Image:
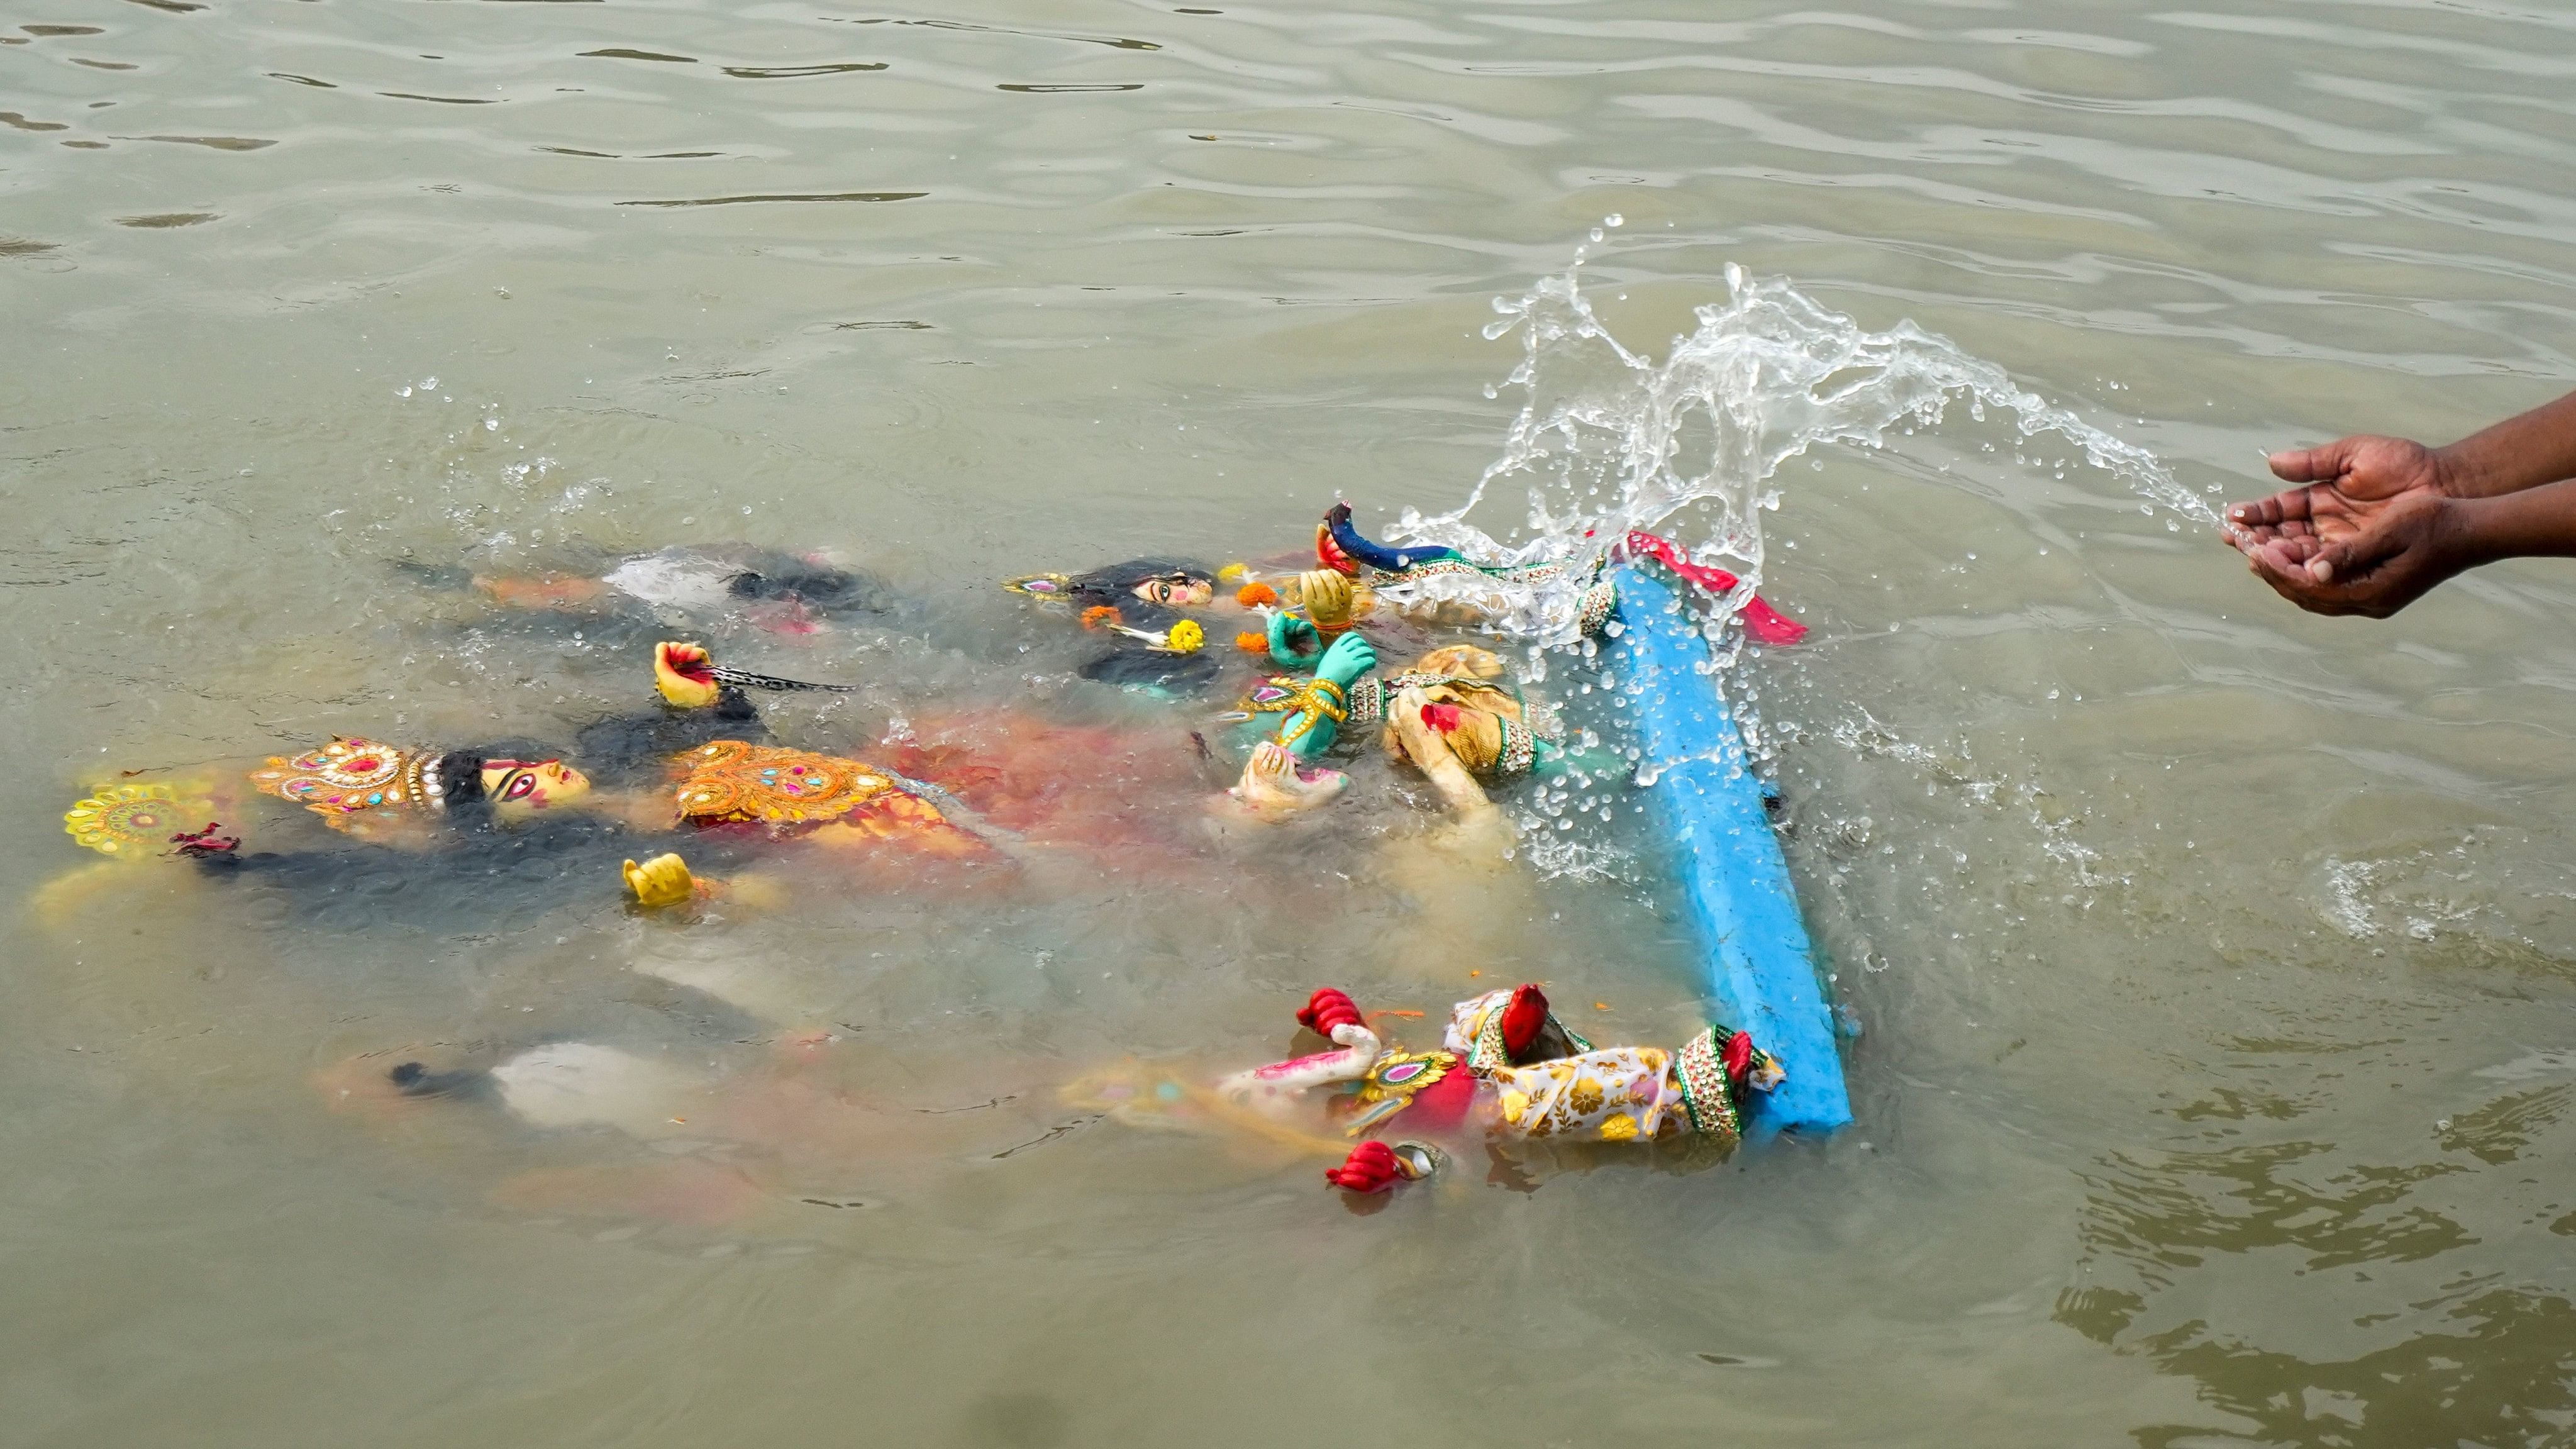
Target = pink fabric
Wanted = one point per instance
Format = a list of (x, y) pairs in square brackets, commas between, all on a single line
[(790, 617), (1442, 1106), (1763, 622)]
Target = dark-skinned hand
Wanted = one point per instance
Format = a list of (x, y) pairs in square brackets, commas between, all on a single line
[(2369, 530)]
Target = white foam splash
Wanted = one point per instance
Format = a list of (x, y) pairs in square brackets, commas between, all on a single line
[(1608, 440), (2347, 904)]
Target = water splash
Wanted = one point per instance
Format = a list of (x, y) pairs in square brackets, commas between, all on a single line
[(1608, 440)]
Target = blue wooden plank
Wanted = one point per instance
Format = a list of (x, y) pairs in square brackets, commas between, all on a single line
[(1735, 883)]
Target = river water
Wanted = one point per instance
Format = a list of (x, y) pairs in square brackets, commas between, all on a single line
[(2210, 963)]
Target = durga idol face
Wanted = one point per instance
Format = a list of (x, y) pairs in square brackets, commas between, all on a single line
[(1176, 590), (532, 784)]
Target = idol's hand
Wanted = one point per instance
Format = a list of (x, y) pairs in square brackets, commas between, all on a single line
[(1327, 598), (1371, 1167), (2369, 533), (685, 675), (1350, 657), (660, 882), (1291, 640), (1328, 1008)]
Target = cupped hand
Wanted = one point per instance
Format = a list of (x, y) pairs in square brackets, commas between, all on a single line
[(2367, 532)]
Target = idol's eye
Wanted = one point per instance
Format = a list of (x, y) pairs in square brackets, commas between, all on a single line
[(519, 786)]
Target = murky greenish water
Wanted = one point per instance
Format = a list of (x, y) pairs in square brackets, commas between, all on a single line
[(2213, 961)]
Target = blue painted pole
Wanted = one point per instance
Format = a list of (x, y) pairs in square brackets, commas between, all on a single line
[(1735, 883)]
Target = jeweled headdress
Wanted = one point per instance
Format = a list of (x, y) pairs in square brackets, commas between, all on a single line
[(350, 778)]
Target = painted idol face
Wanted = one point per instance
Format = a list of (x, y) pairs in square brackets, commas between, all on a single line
[(532, 784), (1176, 590)]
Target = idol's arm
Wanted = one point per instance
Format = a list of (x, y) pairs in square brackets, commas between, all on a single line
[(1312, 730), (1423, 745), (1331, 1014)]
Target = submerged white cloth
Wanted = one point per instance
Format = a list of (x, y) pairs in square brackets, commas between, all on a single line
[(581, 1084), (676, 579)]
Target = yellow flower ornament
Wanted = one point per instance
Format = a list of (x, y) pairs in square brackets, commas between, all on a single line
[(125, 819), (1185, 637)]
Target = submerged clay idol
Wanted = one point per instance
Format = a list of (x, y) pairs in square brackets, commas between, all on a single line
[(1507, 1070)]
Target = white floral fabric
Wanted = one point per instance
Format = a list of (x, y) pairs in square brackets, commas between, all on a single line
[(1609, 1094)]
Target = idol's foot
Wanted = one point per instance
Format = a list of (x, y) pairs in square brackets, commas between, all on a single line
[(1275, 786)]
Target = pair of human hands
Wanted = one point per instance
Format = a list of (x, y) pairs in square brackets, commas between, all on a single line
[(2373, 525)]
